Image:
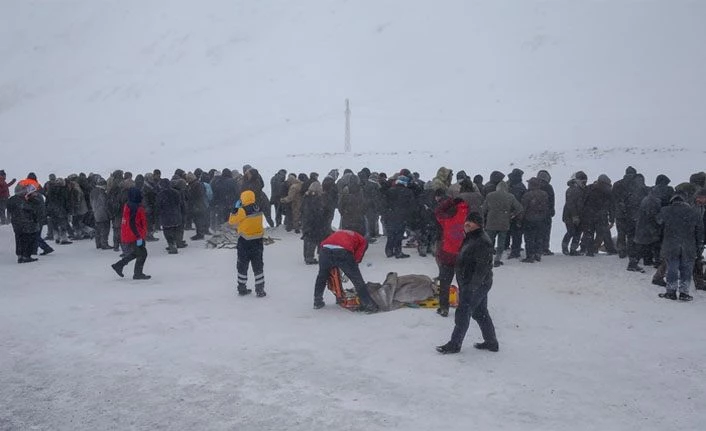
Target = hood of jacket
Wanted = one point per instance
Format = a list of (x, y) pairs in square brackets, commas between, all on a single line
[(247, 198), (496, 177)]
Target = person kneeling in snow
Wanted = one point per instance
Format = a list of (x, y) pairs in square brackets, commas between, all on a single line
[(343, 249), (133, 231), (247, 218), (474, 272)]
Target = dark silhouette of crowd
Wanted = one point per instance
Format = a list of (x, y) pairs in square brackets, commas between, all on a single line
[(657, 226)]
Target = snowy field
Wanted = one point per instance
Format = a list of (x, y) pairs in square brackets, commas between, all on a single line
[(476, 85), (585, 345)]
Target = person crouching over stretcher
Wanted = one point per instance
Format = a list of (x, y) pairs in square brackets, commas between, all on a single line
[(343, 249)]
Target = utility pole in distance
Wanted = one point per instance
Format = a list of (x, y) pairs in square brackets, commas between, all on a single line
[(347, 139)]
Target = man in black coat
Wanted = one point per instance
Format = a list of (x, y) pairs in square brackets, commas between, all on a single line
[(517, 189), (683, 241), (278, 187), (400, 204), (25, 223), (627, 196), (699, 279), (225, 193), (544, 184), (197, 205), (598, 218), (573, 213), (171, 209), (474, 272)]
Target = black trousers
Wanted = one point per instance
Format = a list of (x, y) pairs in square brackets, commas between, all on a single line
[(116, 231), (446, 276), (534, 235), (171, 235), (3, 210), (310, 247), (138, 254), (626, 236), (572, 235), (201, 222), (546, 239), (25, 244), (250, 253), (40, 243), (395, 234), (278, 210), (514, 237), (344, 261), (102, 232), (596, 232), (473, 303)]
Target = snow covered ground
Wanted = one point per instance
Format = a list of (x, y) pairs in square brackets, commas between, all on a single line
[(479, 86), (585, 345)]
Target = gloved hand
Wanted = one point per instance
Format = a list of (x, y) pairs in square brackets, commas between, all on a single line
[(576, 220), (238, 204), (140, 243)]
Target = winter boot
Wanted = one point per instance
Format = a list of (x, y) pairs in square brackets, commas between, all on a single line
[(634, 267), (548, 253), (659, 282), (487, 345), (528, 259), (401, 255), (514, 255), (118, 269), (622, 254), (197, 237), (498, 263), (685, 297), (669, 295), (141, 276), (448, 348), (260, 292), (243, 290), (46, 251), (442, 311), (319, 303)]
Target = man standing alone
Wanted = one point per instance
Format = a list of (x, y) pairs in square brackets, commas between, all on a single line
[(474, 272)]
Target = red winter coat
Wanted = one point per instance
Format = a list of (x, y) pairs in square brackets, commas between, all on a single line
[(452, 229), (127, 235), (5, 188), (349, 240)]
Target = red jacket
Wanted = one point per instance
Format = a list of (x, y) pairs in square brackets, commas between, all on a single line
[(127, 235), (349, 240), (5, 188), (451, 215)]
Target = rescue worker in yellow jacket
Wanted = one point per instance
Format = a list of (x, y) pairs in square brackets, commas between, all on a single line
[(247, 218)]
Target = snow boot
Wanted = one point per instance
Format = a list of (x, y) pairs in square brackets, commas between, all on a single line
[(622, 254), (498, 263), (242, 290), (448, 348), (46, 251), (669, 295), (634, 267), (487, 345), (118, 269), (528, 259), (401, 255), (513, 255), (23, 259), (548, 253), (369, 308), (319, 303), (443, 312), (659, 282), (141, 277), (685, 297), (260, 292), (196, 237)]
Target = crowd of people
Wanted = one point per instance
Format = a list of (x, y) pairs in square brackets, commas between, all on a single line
[(659, 225)]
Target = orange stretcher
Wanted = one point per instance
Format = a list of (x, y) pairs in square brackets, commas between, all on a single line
[(346, 298)]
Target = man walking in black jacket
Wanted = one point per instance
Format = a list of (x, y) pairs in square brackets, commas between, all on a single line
[(474, 272)]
